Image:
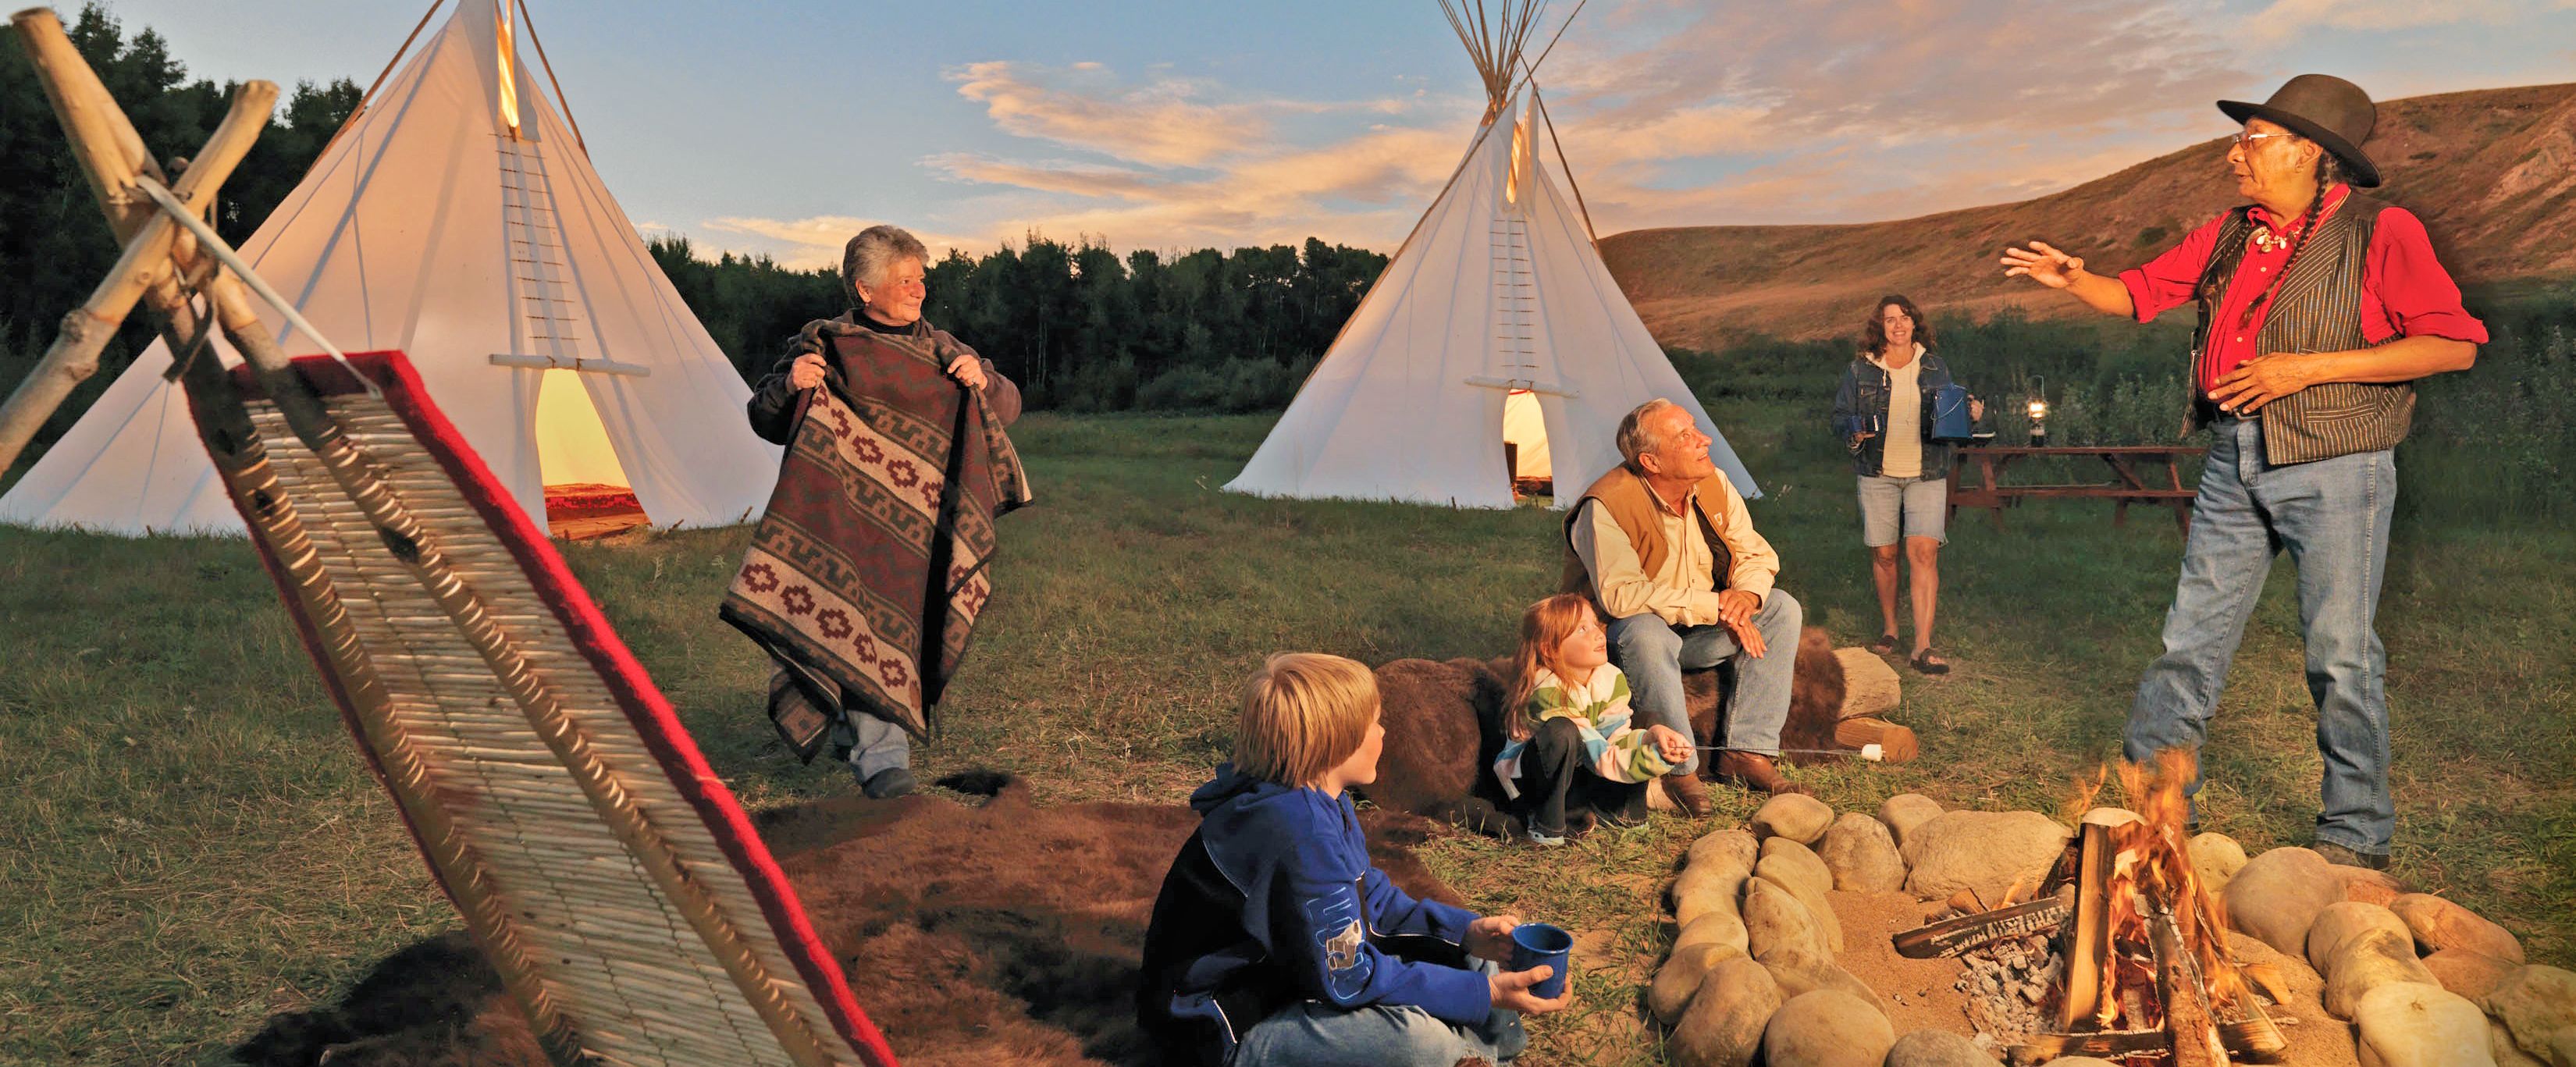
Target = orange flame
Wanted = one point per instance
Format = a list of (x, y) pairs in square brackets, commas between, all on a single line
[(2151, 862)]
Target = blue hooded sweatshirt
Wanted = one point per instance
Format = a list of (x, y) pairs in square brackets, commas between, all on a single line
[(1274, 901)]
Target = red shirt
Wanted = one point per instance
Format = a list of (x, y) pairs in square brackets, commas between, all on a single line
[(2404, 290)]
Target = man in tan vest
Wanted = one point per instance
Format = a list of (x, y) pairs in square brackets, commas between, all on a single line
[(1664, 546)]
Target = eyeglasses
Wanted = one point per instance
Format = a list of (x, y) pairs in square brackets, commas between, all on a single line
[(2247, 138)]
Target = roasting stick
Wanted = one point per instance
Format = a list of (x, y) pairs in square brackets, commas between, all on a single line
[(1871, 753)]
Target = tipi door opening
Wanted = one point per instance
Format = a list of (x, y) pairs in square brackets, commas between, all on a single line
[(1525, 445), (587, 491)]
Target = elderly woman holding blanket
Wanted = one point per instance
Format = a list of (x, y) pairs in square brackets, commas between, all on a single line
[(867, 572)]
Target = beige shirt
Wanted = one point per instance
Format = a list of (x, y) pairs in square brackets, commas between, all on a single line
[(1903, 456), (1684, 593)]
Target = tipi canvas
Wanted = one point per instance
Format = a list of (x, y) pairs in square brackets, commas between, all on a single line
[(458, 220), (1497, 304)]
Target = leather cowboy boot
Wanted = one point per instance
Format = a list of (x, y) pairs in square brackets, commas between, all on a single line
[(1755, 772), (1689, 795)]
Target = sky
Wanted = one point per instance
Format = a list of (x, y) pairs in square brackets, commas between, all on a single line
[(780, 127)]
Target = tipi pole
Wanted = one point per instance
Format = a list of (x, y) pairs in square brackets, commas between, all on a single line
[(1568, 168), (542, 61), (369, 96), (1532, 67), (112, 156)]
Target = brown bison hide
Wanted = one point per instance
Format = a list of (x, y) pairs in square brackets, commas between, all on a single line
[(1444, 727), (1005, 933)]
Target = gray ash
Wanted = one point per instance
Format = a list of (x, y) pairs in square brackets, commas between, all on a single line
[(2010, 984)]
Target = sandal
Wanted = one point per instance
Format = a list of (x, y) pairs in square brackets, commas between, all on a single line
[(1929, 662), (1885, 645)]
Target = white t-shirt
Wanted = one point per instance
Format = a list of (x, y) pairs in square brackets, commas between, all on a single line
[(1903, 457)]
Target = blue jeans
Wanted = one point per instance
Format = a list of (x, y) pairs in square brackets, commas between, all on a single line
[(2332, 515), (1312, 1034), (1654, 654), (875, 744)]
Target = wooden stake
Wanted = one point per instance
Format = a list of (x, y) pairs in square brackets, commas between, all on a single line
[(2088, 943)]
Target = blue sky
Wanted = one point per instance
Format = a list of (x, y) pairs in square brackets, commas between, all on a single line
[(781, 126)]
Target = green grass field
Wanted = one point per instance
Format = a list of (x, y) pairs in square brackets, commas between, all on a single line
[(188, 842)]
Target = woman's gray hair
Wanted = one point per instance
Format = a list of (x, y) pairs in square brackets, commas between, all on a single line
[(868, 256), (1634, 440)]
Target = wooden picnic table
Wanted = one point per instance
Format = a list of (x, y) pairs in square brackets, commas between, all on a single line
[(2127, 486)]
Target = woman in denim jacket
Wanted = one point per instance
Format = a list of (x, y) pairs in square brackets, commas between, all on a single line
[(1883, 415)]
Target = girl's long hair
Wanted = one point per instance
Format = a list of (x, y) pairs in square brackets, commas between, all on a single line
[(1544, 628)]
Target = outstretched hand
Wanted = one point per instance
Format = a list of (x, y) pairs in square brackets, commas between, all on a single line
[(1511, 990), (2042, 264)]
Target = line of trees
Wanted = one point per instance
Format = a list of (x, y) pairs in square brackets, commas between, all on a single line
[(1077, 325), (54, 243)]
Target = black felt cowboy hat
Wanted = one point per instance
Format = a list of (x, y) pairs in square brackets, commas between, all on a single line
[(2323, 108)]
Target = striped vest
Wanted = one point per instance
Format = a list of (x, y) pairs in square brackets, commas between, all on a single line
[(2316, 309)]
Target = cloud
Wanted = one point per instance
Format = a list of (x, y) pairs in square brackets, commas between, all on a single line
[(2286, 18), (1681, 113), (814, 241), (1672, 112), (1082, 106), (1190, 164)]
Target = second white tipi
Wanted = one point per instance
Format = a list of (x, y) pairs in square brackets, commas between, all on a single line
[(458, 219), (1496, 322)]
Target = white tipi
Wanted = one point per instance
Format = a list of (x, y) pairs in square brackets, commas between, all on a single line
[(1496, 322), (458, 219)]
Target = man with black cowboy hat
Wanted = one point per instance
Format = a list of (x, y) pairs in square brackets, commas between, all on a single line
[(2319, 308)]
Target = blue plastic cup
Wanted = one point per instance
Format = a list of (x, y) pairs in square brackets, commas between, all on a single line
[(1539, 943)]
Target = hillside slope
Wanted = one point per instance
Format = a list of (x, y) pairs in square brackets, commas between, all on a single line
[(2492, 172)]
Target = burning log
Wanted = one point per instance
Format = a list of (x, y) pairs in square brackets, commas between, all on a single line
[(2088, 942), (2141, 970), (1952, 936)]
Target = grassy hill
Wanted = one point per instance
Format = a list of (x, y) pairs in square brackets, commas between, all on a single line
[(2492, 172), (193, 845)]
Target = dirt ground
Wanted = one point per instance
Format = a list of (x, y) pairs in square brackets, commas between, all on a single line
[(1022, 948)]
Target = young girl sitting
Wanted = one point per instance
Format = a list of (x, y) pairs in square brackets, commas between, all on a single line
[(1567, 720)]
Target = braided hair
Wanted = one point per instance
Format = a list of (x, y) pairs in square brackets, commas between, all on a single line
[(2329, 171)]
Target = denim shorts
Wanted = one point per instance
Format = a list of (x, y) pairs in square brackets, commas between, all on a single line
[(1923, 505)]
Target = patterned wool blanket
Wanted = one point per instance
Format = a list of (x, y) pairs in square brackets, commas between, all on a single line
[(867, 572)]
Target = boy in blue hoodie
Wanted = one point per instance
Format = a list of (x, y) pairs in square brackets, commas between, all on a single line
[(1276, 942)]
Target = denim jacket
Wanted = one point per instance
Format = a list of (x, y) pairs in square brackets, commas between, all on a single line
[(1864, 396)]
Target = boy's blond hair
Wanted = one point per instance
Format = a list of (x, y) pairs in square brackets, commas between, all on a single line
[(1303, 714)]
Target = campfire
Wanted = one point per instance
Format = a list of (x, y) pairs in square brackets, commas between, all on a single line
[(2120, 952)]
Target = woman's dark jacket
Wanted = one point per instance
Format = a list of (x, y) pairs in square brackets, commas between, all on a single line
[(1864, 396), (772, 406)]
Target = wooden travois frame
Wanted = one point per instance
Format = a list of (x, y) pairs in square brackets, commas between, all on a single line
[(604, 870)]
